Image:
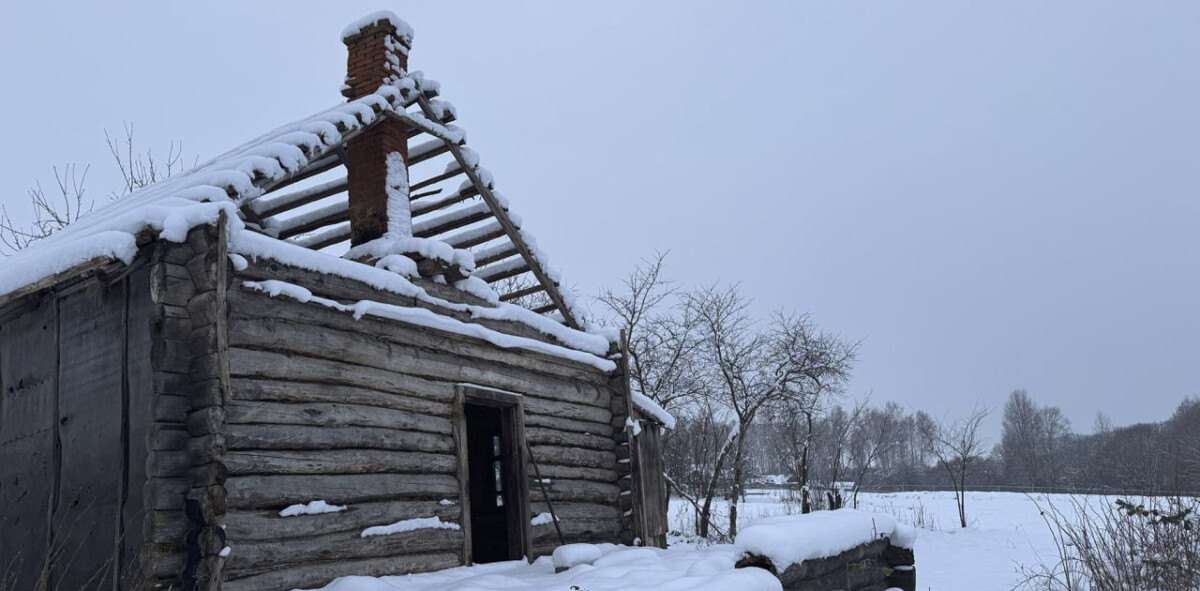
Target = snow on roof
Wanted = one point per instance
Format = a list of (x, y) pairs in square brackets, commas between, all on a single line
[(651, 408), (171, 207), (230, 183), (403, 30), (793, 539)]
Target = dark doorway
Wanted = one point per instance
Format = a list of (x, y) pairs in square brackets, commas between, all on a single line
[(496, 492)]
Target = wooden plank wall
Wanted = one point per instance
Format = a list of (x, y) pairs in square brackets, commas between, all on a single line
[(357, 413), (70, 505)]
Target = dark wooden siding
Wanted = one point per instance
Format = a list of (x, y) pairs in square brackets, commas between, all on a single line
[(70, 503)]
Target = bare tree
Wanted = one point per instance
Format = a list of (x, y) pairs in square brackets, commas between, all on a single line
[(750, 369), (661, 335), (52, 213), (872, 437), (957, 446)]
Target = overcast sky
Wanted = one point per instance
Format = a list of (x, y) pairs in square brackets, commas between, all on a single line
[(989, 197)]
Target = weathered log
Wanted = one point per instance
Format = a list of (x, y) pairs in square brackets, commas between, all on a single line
[(265, 555), (269, 492), (245, 437), (349, 290), (264, 390), (333, 415), (338, 461), (549, 419), (250, 363), (595, 529), (553, 436), (570, 456), (556, 472), (567, 511), (583, 491), (415, 352), (315, 575), (268, 525)]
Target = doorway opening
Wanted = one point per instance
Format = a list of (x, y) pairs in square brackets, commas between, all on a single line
[(496, 495)]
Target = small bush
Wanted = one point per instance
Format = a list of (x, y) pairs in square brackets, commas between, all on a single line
[(1148, 546)]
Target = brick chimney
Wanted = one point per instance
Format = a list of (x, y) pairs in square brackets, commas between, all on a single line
[(378, 54)]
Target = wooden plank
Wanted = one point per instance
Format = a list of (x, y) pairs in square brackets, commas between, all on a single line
[(277, 492), (338, 461), (426, 150), (503, 270), (495, 253), (276, 204), (475, 236), (459, 218), (333, 415), (242, 525), (297, 437), (139, 418), (424, 206), (317, 575), (90, 400), (520, 293), (649, 487), (334, 234), (28, 416)]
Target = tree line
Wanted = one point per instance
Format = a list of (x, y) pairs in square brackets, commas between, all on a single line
[(759, 398)]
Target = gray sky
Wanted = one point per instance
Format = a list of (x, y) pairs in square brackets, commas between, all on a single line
[(991, 197)]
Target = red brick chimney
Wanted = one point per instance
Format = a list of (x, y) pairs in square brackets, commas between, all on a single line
[(378, 54)]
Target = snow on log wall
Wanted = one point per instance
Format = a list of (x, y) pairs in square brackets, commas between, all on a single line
[(358, 413)]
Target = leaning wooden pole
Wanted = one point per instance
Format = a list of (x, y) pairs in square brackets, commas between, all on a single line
[(542, 484)]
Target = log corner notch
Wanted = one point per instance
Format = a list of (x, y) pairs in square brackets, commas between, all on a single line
[(190, 364), (873, 565)]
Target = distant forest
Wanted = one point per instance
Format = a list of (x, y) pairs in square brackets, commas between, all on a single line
[(884, 447)]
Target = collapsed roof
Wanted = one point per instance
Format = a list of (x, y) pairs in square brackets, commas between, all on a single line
[(288, 190)]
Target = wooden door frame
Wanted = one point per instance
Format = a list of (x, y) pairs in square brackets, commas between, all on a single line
[(513, 407)]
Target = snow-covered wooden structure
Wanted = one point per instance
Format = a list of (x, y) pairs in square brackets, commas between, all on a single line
[(343, 312)]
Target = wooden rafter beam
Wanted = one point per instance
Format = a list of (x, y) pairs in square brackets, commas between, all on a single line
[(511, 229), (281, 203), (523, 292)]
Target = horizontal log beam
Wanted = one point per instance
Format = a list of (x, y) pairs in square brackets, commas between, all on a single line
[(297, 437), (245, 525), (337, 461), (276, 204), (333, 415), (277, 492)]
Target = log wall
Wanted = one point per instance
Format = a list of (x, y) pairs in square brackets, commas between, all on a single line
[(358, 413)]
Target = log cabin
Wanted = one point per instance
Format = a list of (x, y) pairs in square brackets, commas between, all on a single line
[(333, 350)]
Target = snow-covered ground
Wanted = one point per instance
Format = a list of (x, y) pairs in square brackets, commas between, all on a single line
[(1007, 537), (1006, 533)]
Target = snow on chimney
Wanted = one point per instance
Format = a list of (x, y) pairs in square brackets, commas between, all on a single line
[(377, 167)]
